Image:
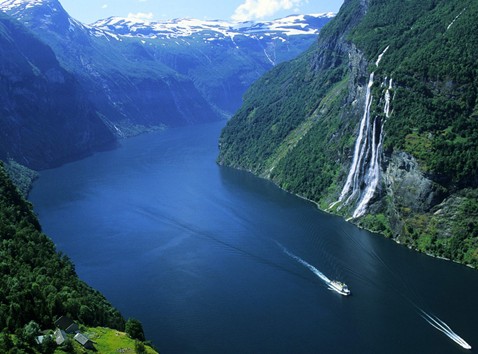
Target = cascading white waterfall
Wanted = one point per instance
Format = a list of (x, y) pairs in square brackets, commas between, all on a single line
[(381, 56), (386, 107), (367, 153), (360, 146), (373, 175), (456, 18)]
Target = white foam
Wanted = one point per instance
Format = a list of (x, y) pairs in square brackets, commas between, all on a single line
[(444, 328)]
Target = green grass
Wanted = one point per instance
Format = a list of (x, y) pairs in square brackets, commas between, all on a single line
[(106, 341), (419, 146), (112, 341)]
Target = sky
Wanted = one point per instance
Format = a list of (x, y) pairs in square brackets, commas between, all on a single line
[(88, 11)]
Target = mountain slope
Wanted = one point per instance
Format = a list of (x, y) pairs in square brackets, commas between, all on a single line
[(129, 89), (45, 118), (141, 75), (376, 123), (38, 284), (222, 58)]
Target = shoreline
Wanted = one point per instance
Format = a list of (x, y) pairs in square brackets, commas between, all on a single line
[(349, 220)]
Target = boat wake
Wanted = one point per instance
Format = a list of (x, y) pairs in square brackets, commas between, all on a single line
[(409, 295), (443, 327), (318, 273), (307, 265)]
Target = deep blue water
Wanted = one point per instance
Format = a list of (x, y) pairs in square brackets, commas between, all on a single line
[(197, 253)]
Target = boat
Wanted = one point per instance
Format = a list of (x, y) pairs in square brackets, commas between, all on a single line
[(339, 287)]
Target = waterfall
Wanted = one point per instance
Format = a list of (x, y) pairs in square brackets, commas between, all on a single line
[(386, 107), (364, 174), (373, 174), (380, 56), (456, 18), (360, 146)]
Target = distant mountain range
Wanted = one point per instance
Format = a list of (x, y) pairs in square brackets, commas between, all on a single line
[(212, 30), (136, 75)]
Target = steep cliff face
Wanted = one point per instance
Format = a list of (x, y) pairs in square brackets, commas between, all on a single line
[(77, 88), (221, 58), (129, 89), (368, 122), (294, 109), (44, 118), (142, 75)]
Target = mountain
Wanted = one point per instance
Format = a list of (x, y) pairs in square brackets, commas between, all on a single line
[(222, 58), (129, 89), (376, 122), (38, 283), (142, 75), (216, 30), (45, 117)]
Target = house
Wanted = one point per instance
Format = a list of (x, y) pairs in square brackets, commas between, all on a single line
[(84, 341), (40, 339), (67, 324), (60, 336)]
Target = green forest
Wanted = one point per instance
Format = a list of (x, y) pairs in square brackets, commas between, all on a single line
[(299, 123), (432, 58), (37, 283)]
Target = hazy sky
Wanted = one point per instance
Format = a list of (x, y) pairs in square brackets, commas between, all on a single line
[(88, 11)]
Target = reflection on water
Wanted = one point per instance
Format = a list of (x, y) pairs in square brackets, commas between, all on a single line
[(191, 249)]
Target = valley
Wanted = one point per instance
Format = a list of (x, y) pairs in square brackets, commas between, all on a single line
[(132, 77), (222, 181)]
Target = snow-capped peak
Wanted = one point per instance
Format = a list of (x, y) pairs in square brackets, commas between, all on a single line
[(21, 9), (291, 25), (12, 4)]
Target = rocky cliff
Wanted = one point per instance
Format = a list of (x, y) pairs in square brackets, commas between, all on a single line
[(130, 90), (128, 76), (45, 118), (377, 123), (143, 75)]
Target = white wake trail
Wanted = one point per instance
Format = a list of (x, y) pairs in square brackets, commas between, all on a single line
[(307, 265), (444, 328)]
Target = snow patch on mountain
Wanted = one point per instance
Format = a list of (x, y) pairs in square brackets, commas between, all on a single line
[(11, 4), (20, 9), (288, 26), (116, 28)]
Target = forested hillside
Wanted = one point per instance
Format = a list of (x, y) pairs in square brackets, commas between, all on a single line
[(36, 282), (45, 119), (377, 122), (70, 89), (433, 56)]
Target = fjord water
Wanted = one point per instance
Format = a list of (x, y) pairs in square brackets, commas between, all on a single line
[(201, 254)]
